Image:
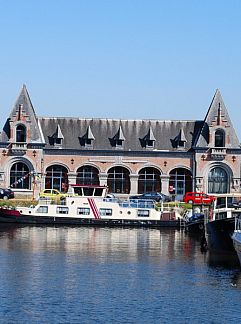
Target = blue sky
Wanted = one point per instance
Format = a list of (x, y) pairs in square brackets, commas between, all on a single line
[(121, 59)]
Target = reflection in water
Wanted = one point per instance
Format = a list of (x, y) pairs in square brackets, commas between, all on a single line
[(106, 275), (98, 243)]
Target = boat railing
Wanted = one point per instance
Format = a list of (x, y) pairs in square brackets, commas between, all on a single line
[(138, 203), (51, 201), (107, 199)]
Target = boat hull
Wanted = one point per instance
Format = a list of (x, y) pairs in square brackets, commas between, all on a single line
[(219, 235), (15, 217), (195, 227), (237, 244)]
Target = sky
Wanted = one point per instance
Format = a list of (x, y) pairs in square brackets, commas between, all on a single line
[(127, 59)]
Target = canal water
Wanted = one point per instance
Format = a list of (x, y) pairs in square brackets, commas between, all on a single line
[(113, 275)]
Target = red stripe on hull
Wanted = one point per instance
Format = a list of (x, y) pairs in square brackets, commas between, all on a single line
[(9, 212)]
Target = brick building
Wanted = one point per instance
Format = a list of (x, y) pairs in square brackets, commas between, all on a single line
[(130, 156)]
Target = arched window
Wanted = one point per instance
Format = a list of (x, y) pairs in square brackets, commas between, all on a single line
[(149, 180), (20, 134), (87, 175), (56, 178), (180, 182), (20, 176), (118, 180), (217, 181), (219, 138)]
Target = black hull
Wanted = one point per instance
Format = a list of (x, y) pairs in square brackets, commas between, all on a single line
[(195, 227), (219, 234), (48, 220)]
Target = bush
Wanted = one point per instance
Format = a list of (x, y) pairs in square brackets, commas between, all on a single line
[(18, 202)]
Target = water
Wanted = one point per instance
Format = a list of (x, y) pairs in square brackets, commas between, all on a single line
[(108, 275)]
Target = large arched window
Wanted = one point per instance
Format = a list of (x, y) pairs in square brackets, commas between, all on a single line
[(20, 134), (20, 176), (180, 182), (149, 180), (87, 175), (219, 138), (118, 180), (56, 178), (217, 181)]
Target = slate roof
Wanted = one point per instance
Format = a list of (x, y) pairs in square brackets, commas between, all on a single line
[(164, 133), (132, 132)]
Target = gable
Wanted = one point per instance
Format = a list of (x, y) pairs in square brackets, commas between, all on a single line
[(217, 118)]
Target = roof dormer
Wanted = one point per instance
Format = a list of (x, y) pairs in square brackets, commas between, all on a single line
[(180, 140), (87, 139), (148, 141), (118, 139), (58, 137)]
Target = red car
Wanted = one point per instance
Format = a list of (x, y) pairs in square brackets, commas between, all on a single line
[(198, 198)]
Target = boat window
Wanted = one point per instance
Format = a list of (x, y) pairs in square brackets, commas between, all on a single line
[(88, 191), (236, 214), (221, 202), (62, 210), (83, 211), (234, 202), (78, 191), (221, 215), (142, 213), (98, 192), (105, 212), (42, 209)]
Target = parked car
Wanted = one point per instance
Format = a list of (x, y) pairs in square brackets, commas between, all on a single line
[(51, 193), (6, 193), (198, 198), (157, 196)]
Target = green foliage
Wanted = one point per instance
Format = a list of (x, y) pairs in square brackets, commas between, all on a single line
[(17, 202)]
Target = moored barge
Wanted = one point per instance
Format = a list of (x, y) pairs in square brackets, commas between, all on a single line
[(90, 206)]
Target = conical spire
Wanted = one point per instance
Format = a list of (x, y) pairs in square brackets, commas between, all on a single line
[(181, 136), (119, 135), (58, 133), (89, 135), (149, 136)]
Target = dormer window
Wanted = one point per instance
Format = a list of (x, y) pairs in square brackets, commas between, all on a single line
[(87, 139), (119, 143), (180, 143), (180, 140), (88, 142), (148, 141), (219, 138), (118, 139), (20, 134), (58, 137), (58, 141)]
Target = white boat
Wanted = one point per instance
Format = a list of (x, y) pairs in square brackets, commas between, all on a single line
[(236, 237), (221, 224), (89, 205)]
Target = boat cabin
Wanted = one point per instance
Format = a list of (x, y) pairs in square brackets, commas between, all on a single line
[(227, 206), (88, 190)]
